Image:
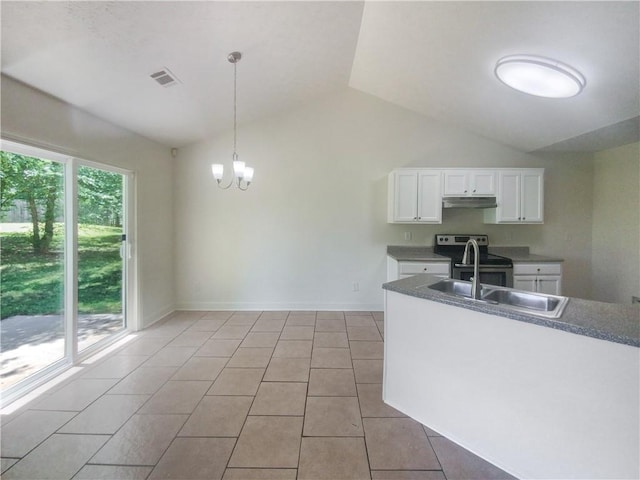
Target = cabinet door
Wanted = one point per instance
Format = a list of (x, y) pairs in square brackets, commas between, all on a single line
[(433, 268), (525, 282), (429, 196), (532, 197), (509, 197), (405, 202), (456, 183), (550, 284), (482, 183)]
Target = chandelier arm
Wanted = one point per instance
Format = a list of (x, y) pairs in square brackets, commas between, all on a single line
[(228, 185)]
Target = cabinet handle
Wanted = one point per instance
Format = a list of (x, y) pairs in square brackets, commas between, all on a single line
[(415, 218), (465, 191), (424, 269), (474, 190), (419, 218), (524, 218)]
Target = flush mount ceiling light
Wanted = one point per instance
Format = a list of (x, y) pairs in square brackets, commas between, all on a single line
[(242, 175), (540, 76)]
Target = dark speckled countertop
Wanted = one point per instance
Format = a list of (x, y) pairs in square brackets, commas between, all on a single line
[(605, 321), (521, 254), (414, 254), (425, 254)]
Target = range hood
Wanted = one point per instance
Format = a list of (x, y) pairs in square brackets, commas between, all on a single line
[(469, 202)]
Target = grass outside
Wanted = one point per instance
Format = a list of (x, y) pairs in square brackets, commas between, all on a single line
[(33, 284)]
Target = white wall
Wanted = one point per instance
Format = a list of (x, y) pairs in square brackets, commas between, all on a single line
[(38, 119), (314, 221), (616, 224)]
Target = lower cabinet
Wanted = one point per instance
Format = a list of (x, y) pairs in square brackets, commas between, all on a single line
[(538, 277), (403, 269), (437, 269)]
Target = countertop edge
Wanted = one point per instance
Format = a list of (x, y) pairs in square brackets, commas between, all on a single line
[(417, 286), (414, 253)]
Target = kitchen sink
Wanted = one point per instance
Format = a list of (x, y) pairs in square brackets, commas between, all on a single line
[(539, 304), (534, 301), (459, 288)]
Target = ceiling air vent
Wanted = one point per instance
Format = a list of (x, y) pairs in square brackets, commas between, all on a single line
[(165, 78)]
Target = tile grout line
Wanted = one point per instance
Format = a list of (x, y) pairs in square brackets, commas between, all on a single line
[(235, 445), (88, 462)]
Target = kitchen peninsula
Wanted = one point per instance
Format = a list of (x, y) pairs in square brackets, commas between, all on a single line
[(538, 397)]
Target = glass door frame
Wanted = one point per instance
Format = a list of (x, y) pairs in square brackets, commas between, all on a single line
[(130, 291)]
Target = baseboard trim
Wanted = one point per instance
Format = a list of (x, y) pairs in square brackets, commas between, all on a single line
[(157, 316), (280, 306)]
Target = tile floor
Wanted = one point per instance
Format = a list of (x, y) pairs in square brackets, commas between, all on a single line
[(224, 395)]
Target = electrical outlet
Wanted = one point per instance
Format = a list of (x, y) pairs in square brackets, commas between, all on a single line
[(407, 236), (356, 287)]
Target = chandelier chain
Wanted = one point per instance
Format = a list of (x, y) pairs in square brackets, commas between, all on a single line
[(235, 107)]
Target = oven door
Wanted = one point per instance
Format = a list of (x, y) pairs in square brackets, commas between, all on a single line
[(500, 276)]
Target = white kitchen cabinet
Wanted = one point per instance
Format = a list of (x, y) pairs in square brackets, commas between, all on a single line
[(468, 183), (415, 196), (437, 269), (520, 197), (538, 277), (407, 268)]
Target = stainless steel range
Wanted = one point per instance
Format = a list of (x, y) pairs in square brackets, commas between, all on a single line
[(493, 269)]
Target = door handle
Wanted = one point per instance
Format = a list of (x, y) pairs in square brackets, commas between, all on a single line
[(125, 251)]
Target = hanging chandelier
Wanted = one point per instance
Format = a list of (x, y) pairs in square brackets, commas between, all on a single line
[(242, 174)]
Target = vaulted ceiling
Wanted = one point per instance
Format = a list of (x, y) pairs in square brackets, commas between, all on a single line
[(435, 58)]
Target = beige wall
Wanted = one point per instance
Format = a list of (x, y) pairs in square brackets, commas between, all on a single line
[(616, 224), (40, 120), (314, 221)]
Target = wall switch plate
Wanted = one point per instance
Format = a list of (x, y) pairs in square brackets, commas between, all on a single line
[(356, 287)]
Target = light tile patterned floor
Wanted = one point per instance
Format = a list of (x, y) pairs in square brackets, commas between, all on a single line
[(224, 395)]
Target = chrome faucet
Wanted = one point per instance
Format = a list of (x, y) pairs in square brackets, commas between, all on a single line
[(476, 288)]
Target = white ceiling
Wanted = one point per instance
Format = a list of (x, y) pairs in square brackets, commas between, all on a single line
[(435, 58)]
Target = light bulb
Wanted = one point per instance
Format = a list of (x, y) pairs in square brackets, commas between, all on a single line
[(238, 168), (218, 170), (248, 174)]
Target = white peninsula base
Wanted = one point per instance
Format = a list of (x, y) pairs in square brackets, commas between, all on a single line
[(535, 401)]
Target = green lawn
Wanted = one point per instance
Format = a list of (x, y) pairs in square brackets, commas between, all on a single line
[(32, 284)]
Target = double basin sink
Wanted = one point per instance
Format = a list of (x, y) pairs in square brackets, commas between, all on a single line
[(538, 304)]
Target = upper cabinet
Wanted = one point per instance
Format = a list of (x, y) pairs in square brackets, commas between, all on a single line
[(520, 197), (415, 196), (468, 183)]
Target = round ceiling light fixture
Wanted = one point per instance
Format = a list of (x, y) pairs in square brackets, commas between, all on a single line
[(540, 76)]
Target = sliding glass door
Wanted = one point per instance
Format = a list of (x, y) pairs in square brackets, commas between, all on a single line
[(32, 266), (64, 255), (101, 251)]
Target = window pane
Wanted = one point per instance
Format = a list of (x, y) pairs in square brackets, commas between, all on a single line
[(32, 265), (100, 266)]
